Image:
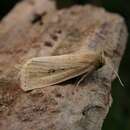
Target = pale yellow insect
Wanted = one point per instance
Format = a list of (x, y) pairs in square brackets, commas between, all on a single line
[(45, 71)]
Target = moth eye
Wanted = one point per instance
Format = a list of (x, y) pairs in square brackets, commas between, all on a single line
[(51, 71), (99, 65)]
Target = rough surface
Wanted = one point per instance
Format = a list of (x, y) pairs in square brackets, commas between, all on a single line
[(28, 31)]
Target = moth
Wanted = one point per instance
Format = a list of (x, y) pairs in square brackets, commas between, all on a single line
[(49, 70)]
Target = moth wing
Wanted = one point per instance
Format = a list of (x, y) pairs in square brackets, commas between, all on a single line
[(45, 71)]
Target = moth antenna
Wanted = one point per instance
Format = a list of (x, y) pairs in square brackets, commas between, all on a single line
[(119, 78), (117, 75)]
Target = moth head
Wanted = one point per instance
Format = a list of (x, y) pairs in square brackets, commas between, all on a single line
[(101, 59)]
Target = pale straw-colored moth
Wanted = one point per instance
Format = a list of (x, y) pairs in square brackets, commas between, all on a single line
[(45, 71)]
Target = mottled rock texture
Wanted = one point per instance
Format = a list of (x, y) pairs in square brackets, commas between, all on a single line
[(36, 28)]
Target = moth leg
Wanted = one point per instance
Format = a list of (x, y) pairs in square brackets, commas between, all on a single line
[(81, 79)]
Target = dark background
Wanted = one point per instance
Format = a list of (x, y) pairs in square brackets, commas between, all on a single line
[(119, 114)]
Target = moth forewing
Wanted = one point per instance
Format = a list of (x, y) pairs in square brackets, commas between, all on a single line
[(45, 71)]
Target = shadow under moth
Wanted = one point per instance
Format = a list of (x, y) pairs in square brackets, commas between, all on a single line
[(49, 70)]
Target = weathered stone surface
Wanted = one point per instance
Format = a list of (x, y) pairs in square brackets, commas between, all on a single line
[(30, 32)]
